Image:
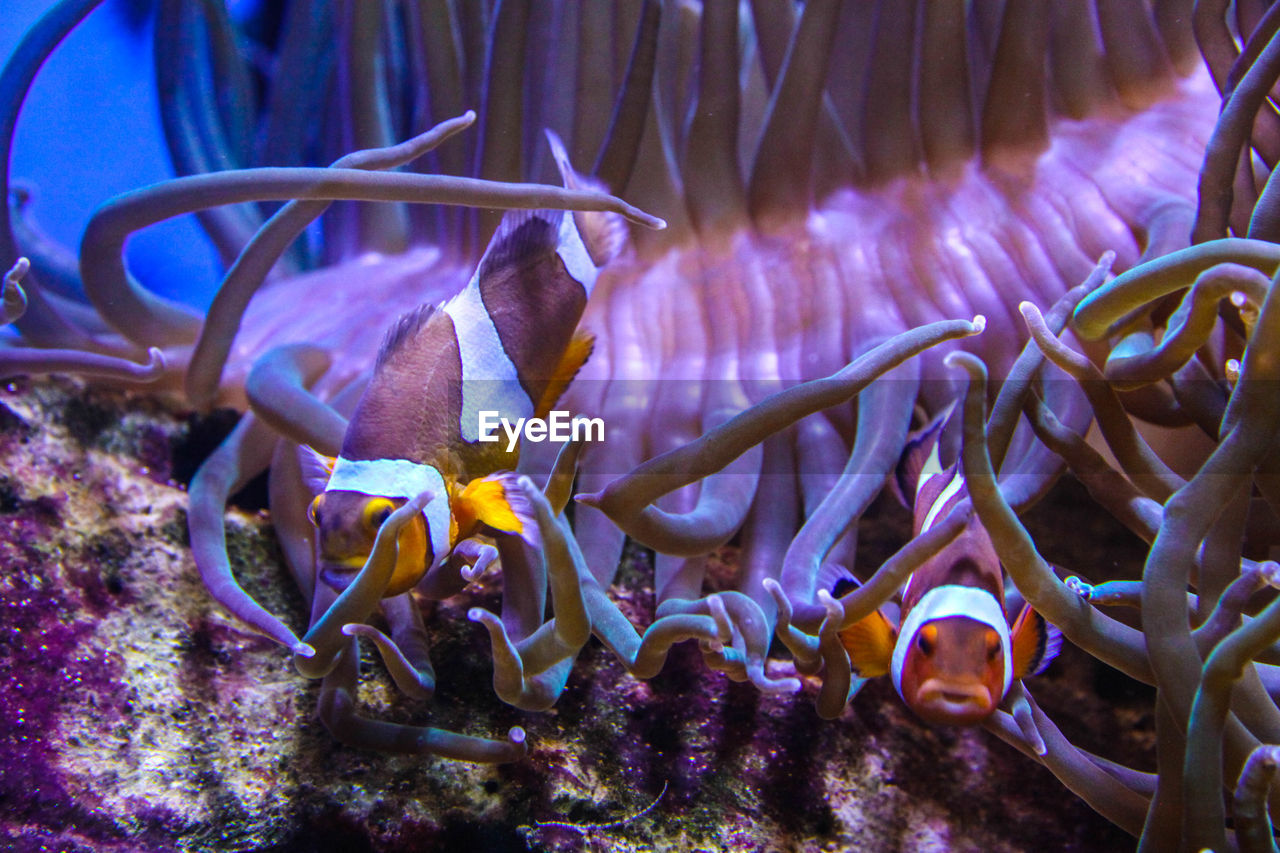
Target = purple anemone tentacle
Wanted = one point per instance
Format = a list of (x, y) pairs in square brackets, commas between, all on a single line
[(1006, 409), (1202, 773), (1102, 312), (151, 319), (626, 499), (325, 640), (1253, 828), (412, 679), (1107, 486), (1189, 327), (1110, 641), (1230, 138), (34, 362), (530, 671), (194, 131), (524, 587), (42, 324), (1143, 466), (241, 457), (884, 417), (277, 389), (255, 262), (338, 713), (288, 497), (1104, 792)]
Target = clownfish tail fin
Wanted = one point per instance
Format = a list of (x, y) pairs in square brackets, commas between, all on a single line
[(498, 502), (604, 233), (1035, 643), (869, 642)]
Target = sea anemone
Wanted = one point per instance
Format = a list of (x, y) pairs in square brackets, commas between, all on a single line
[(844, 184)]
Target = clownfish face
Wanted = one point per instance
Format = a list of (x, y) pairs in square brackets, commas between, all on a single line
[(348, 523), (953, 673)]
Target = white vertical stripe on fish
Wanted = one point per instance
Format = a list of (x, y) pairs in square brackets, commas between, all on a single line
[(953, 600), (490, 381)]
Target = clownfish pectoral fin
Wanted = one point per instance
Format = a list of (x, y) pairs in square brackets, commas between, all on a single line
[(575, 355), (316, 468), (604, 234), (1035, 643), (497, 502), (869, 642)]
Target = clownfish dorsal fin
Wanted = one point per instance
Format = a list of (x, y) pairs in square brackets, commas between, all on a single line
[(604, 234), (869, 642), (404, 331), (316, 468), (1035, 643), (495, 501), (920, 457), (575, 355), (522, 236)]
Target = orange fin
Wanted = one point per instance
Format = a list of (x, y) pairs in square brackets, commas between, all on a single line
[(1035, 643), (869, 642), (575, 355), (496, 501)]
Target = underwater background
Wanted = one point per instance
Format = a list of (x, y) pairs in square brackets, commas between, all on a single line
[(834, 177)]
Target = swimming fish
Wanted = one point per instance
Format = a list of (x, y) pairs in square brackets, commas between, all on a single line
[(508, 344), (954, 654)]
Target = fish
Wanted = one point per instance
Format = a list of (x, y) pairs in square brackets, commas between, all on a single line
[(954, 654), (507, 343)]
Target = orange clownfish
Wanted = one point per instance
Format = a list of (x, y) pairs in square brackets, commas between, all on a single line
[(507, 345), (954, 655)]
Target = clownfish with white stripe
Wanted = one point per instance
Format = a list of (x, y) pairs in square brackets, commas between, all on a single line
[(507, 343), (954, 654)]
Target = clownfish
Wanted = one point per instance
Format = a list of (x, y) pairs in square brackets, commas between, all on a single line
[(507, 343), (954, 654)]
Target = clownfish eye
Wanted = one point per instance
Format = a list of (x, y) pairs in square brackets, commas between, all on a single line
[(376, 512), (313, 511), (927, 639), (993, 644)]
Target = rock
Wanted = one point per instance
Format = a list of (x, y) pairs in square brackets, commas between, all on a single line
[(135, 715)]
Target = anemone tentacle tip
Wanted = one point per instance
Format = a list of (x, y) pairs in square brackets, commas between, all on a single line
[(18, 270), (304, 650), (517, 735), (979, 323), (1270, 571)]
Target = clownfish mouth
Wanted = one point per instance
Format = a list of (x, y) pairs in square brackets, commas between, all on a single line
[(943, 701), (339, 576)]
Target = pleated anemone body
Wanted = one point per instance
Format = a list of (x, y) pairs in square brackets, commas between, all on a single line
[(832, 174)]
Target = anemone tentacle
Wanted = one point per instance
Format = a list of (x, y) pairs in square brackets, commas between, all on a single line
[(845, 182)]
